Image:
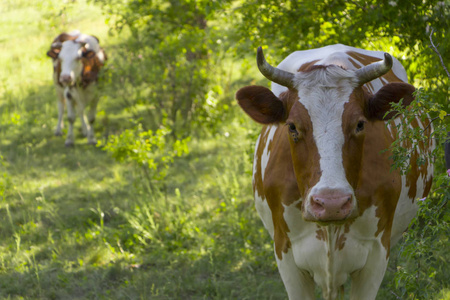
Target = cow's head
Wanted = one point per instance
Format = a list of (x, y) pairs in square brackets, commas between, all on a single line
[(69, 56), (325, 113)]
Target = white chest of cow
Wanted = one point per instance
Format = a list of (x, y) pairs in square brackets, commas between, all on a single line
[(322, 185)]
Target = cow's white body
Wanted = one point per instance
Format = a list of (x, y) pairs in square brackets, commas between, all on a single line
[(329, 255), (77, 100)]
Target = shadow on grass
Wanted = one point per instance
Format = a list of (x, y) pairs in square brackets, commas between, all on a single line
[(178, 279)]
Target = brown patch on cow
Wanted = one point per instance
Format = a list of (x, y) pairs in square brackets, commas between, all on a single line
[(393, 129), (352, 150), (64, 37), (379, 185), (57, 72), (413, 173), (368, 85), (91, 69), (279, 186), (362, 58), (353, 62), (415, 170), (368, 166), (306, 155), (341, 237), (306, 66), (367, 60), (427, 184), (321, 233), (391, 77), (389, 183), (427, 180), (339, 231), (57, 43), (289, 99)]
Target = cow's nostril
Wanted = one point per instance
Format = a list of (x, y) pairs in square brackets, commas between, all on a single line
[(347, 205), (317, 202)]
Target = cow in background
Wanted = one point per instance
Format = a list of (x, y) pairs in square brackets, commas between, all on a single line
[(77, 60)]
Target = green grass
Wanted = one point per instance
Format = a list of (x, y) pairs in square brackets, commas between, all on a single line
[(78, 225)]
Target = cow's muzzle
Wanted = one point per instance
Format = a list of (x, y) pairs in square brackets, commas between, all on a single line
[(330, 207), (66, 79)]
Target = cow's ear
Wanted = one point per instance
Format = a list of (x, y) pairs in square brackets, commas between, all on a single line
[(53, 53), (380, 103), (261, 104), (89, 54)]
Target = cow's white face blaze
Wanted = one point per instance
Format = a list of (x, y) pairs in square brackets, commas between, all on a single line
[(71, 65), (322, 95)]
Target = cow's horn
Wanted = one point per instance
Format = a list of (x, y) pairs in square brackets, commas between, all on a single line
[(276, 75), (374, 70)]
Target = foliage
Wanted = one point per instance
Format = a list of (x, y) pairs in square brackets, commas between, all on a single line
[(411, 139), (182, 58), (423, 275), (149, 149), (425, 245), (397, 26)]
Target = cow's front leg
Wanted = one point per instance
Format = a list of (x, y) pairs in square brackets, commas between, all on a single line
[(366, 282), (71, 116), (91, 119), (299, 284), (80, 112), (59, 125)]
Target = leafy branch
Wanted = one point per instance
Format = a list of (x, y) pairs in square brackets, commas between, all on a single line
[(438, 53)]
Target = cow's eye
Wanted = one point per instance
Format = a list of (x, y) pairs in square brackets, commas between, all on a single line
[(293, 132), (360, 126), (292, 128)]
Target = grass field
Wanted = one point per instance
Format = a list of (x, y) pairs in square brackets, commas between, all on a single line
[(76, 224)]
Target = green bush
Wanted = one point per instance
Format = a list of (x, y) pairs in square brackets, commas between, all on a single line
[(425, 247), (421, 271), (154, 151)]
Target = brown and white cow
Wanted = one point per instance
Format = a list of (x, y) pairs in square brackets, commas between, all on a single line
[(77, 60), (322, 181)]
